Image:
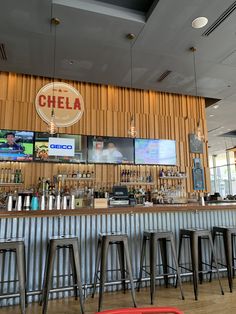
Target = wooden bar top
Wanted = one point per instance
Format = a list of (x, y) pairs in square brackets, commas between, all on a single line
[(117, 210)]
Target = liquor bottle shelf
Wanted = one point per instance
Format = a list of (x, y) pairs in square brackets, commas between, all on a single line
[(10, 184), (173, 178), (79, 179), (137, 183)]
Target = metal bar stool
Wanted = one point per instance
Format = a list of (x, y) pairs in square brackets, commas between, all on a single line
[(55, 243), (121, 243), (17, 246), (161, 236), (228, 234), (196, 236)]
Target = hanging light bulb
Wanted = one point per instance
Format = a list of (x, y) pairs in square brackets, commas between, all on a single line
[(52, 127), (198, 132), (132, 132)]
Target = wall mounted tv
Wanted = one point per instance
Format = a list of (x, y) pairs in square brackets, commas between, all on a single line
[(65, 148), (16, 145), (155, 152), (111, 150)]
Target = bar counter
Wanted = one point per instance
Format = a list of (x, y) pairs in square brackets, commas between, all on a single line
[(36, 228), (118, 210)]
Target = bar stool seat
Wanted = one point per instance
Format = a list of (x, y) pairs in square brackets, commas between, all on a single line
[(228, 234), (120, 240), (70, 242), (196, 235), (162, 237), (17, 246)]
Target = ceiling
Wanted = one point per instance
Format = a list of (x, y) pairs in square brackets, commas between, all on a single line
[(91, 46)]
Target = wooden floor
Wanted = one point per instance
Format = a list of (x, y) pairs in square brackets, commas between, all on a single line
[(210, 301)]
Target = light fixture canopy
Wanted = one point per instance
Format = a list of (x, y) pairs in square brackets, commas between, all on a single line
[(199, 22)]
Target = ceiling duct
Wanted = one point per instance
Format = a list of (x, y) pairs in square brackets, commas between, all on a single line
[(220, 19), (163, 76), (3, 55)]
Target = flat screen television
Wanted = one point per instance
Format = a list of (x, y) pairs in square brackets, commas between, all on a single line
[(66, 148), (110, 150), (155, 152), (16, 145)]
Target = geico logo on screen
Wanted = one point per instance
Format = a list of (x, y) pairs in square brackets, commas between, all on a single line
[(58, 146)]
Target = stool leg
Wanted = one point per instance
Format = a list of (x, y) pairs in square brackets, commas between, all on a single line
[(164, 260), (98, 259), (20, 257), (104, 251), (178, 278), (120, 248), (200, 275), (77, 269), (153, 255), (73, 268), (228, 257), (217, 269), (232, 248), (194, 257), (129, 267), (48, 276), (213, 239), (179, 253), (143, 252)]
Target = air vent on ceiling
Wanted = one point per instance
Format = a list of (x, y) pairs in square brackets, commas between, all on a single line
[(163, 76), (220, 19), (3, 55)]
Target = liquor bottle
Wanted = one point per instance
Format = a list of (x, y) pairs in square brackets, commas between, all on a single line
[(79, 174), (74, 174), (12, 176), (84, 174), (88, 174), (20, 178), (128, 176), (16, 179), (2, 176), (92, 174), (122, 179)]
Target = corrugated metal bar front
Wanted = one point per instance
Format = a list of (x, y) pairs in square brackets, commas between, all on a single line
[(37, 231)]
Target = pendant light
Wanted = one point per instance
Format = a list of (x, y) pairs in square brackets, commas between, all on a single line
[(198, 131), (52, 127), (132, 131)]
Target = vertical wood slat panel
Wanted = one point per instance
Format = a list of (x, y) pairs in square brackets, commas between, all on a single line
[(108, 111)]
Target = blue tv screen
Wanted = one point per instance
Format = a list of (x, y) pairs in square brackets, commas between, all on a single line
[(155, 152), (16, 145)]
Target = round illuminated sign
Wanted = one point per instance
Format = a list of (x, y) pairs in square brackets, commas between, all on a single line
[(66, 101)]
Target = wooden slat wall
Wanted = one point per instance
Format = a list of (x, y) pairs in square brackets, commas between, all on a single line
[(108, 110)]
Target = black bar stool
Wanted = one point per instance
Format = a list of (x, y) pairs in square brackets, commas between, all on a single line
[(196, 236), (55, 243), (161, 236), (121, 242), (228, 234), (17, 246)]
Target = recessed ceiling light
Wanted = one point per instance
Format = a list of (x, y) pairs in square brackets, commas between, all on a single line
[(199, 22), (216, 106), (229, 129), (211, 115)]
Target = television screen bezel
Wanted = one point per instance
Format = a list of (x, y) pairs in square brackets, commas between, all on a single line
[(157, 164), (61, 162), (110, 163), (12, 160)]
